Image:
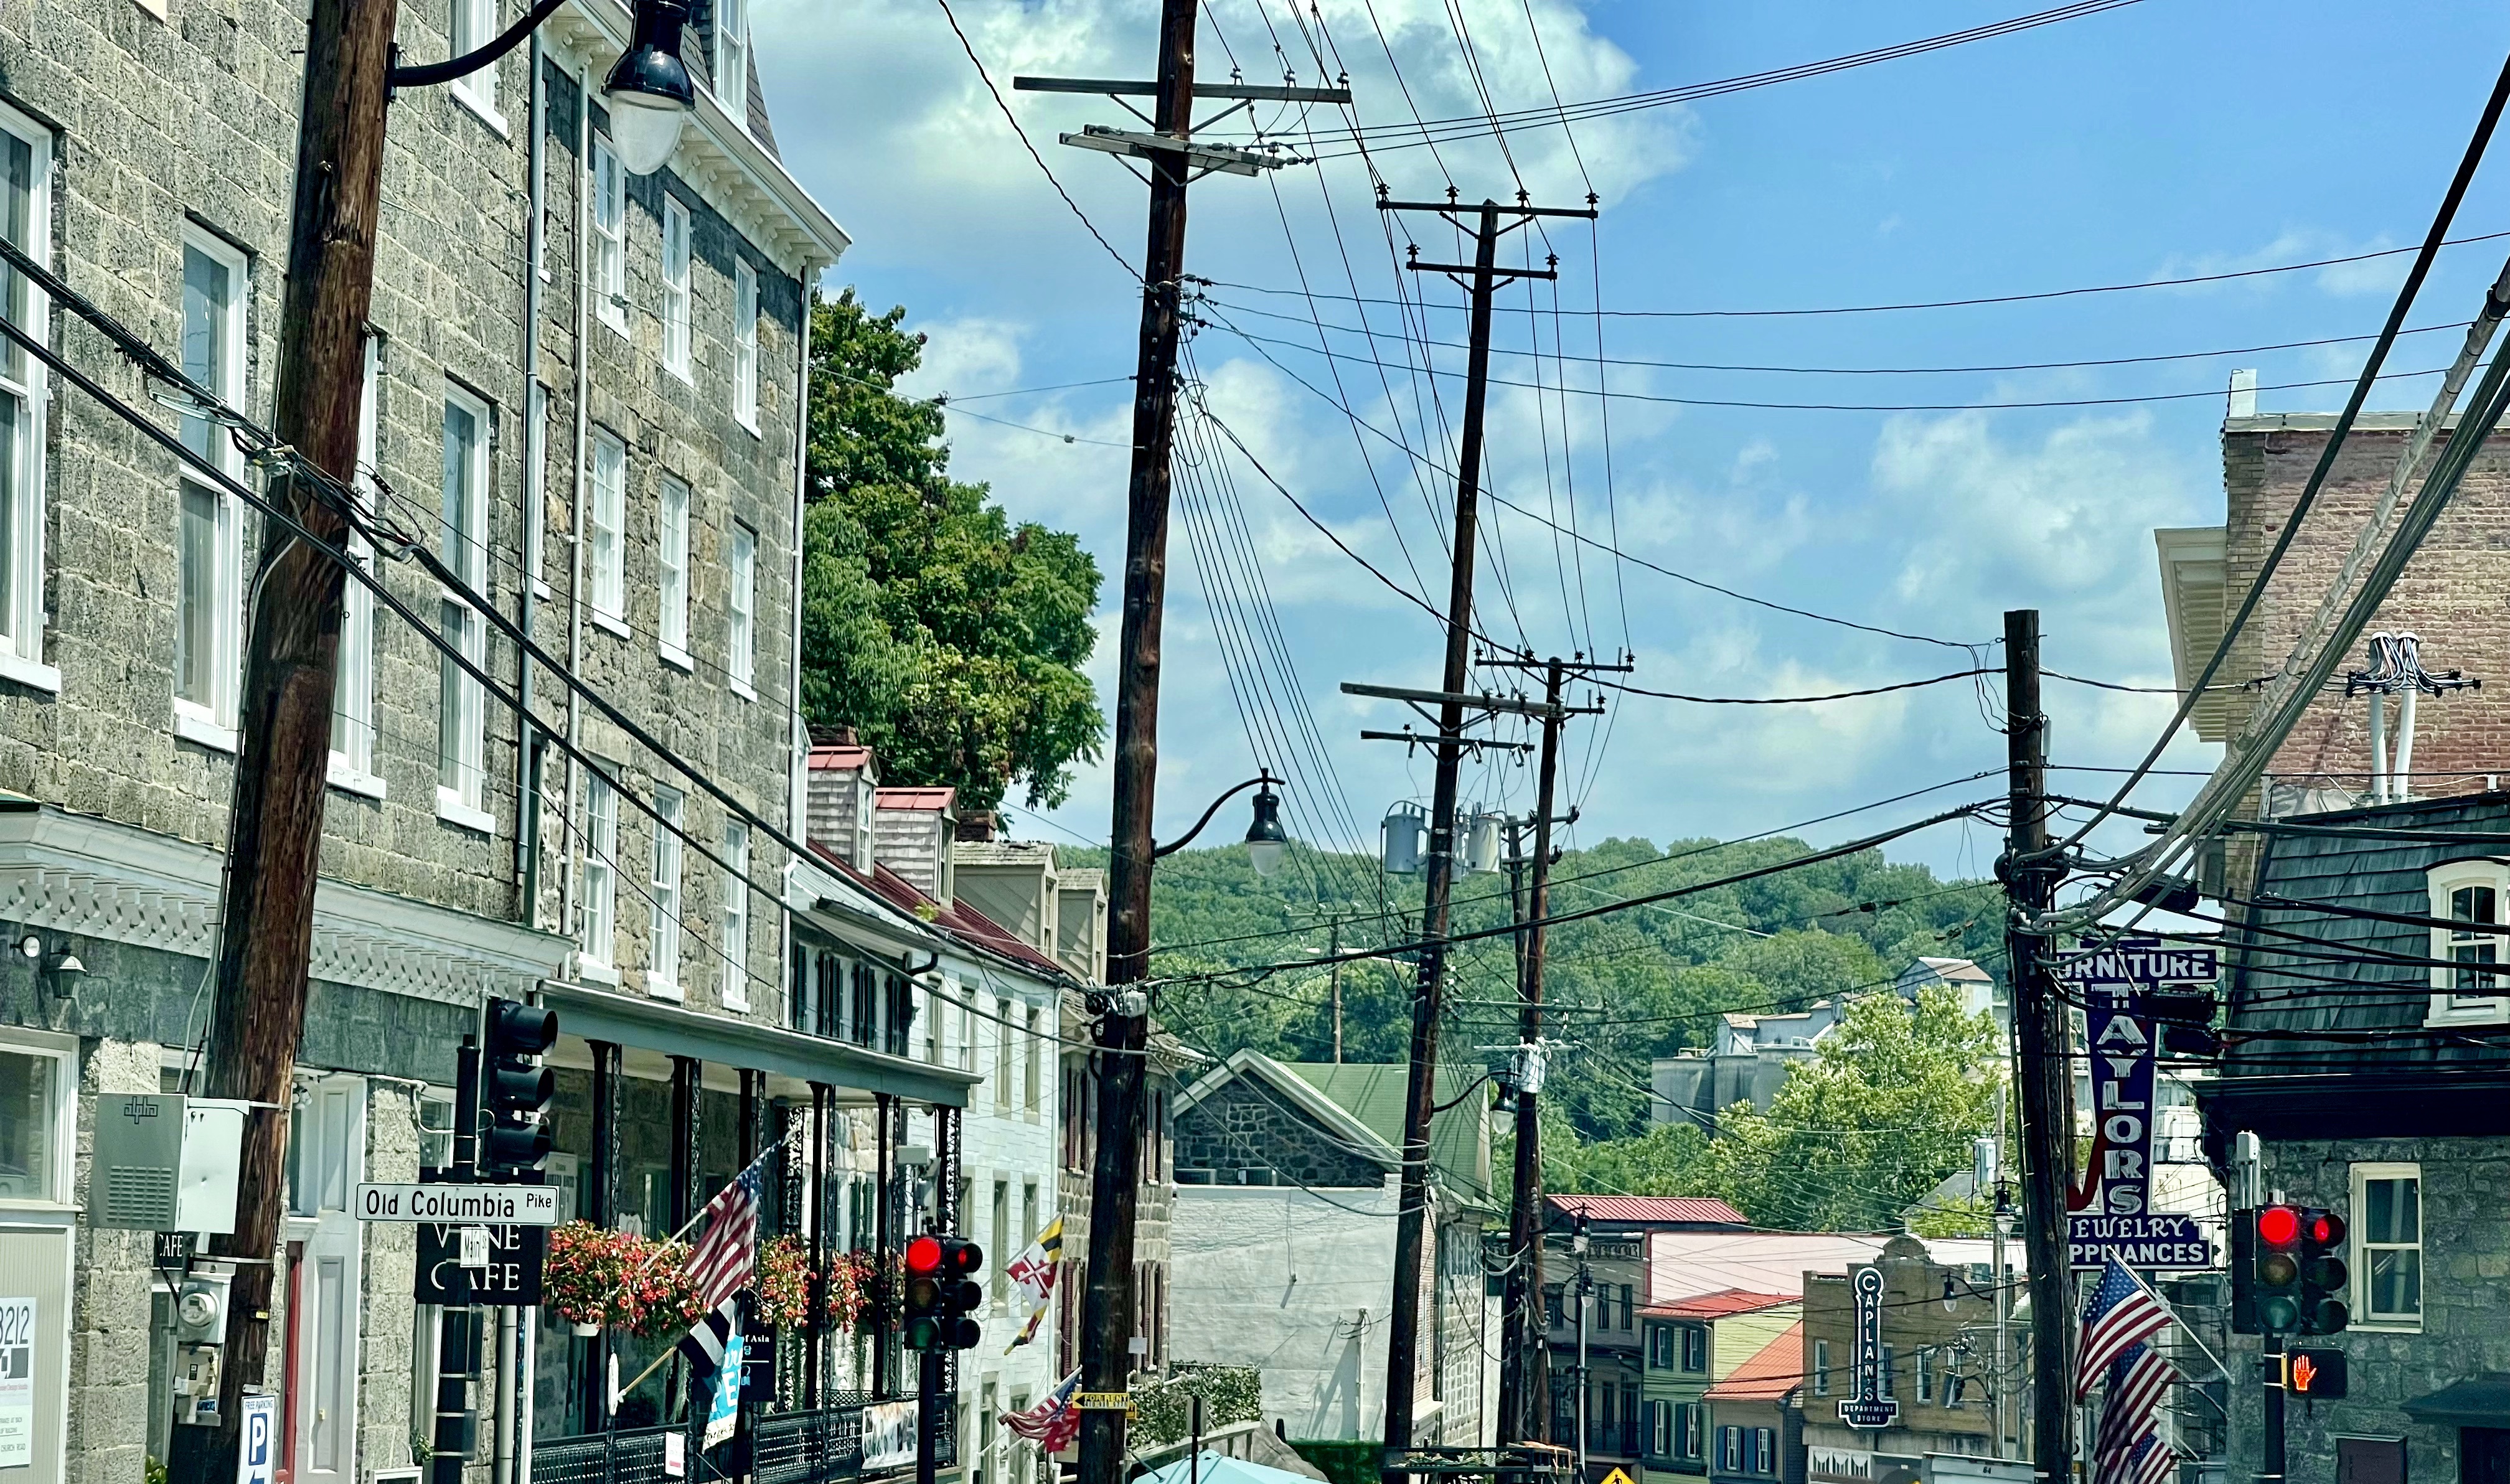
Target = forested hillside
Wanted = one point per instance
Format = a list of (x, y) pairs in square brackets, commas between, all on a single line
[(1624, 987)]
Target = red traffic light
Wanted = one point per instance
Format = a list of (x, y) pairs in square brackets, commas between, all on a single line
[(2324, 1228), (963, 1256), (2279, 1226), (923, 1255)]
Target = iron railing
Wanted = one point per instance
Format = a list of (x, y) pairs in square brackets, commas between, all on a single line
[(825, 1443)]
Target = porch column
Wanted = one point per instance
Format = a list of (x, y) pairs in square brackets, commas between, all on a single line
[(816, 1357), (884, 1241), (686, 1197)]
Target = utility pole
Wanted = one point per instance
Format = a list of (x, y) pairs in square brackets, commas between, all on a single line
[(1481, 280), (2042, 1039), (275, 829), (1523, 1403), (1121, 1028)]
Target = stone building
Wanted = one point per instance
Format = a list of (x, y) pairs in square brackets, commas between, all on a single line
[(1288, 1185), (586, 388), (2379, 1094), (1938, 1363)]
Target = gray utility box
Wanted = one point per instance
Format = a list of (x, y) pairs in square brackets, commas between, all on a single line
[(166, 1163)]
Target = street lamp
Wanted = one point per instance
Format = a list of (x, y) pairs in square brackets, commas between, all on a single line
[(1265, 841), (649, 92)]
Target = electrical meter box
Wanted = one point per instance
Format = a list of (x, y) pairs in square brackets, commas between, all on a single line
[(166, 1163)]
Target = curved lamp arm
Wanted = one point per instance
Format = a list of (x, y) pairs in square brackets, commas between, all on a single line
[(432, 73), (1264, 778)]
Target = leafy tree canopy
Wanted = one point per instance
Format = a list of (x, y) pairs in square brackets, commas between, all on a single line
[(952, 640)]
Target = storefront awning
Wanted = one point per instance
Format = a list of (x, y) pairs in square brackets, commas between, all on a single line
[(2479, 1402), (656, 1025)]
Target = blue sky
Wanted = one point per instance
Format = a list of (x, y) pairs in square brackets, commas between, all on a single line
[(2163, 139)]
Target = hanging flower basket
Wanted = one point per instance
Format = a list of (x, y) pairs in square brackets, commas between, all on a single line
[(666, 1293), (852, 1282), (784, 1283), (586, 1274)]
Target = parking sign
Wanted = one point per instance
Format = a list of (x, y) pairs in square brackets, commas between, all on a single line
[(257, 1460)]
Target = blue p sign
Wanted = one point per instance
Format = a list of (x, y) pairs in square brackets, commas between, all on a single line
[(255, 1460)]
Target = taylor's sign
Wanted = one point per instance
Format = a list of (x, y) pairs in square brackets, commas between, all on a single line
[(521, 1205), (1868, 1407), (2110, 1215)]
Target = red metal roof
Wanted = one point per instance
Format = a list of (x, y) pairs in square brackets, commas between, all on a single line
[(936, 799), (1777, 1369), (840, 757), (1650, 1210), (1720, 1304)]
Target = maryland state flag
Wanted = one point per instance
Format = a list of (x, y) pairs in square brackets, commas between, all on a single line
[(1034, 1271)]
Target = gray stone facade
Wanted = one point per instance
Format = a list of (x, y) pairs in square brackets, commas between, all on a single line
[(1238, 1136)]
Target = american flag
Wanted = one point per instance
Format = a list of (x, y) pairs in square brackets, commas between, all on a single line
[(2122, 1313), (2128, 1448), (728, 1250), (1053, 1423)]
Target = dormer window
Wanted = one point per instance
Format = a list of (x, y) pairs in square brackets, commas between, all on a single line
[(729, 63), (2471, 982)]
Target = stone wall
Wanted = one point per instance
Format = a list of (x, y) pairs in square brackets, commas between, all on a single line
[(1243, 1127), (2466, 1286)]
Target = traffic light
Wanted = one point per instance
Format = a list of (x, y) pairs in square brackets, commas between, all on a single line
[(2312, 1374), (2324, 1279), (2275, 1279), (516, 1089), (940, 1293)]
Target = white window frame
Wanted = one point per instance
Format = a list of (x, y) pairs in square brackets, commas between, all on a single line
[(1925, 1373), (729, 66), (2362, 1176), (600, 908), (466, 551), (212, 722), (353, 694), (472, 24), (2451, 1004), (607, 187), (678, 292), (606, 566), (23, 378), (1821, 1368), (741, 639), (666, 908), (63, 1053), (735, 929), (1730, 1448), (744, 345), (671, 571)]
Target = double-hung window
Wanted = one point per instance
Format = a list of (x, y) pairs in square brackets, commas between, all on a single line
[(1925, 1373), (675, 287), (26, 219), (662, 973), (2471, 986), (744, 345), (734, 931), (1694, 1348), (600, 874), (208, 569), (475, 26), (1730, 1449), (672, 560), (729, 63), (1821, 1368), (609, 213), (741, 656), (2388, 1226), (462, 536), (1688, 1437), (609, 522), (1765, 1450), (353, 687)]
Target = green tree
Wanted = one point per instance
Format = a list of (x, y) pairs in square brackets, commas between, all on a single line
[(953, 640), (1885, 1110)]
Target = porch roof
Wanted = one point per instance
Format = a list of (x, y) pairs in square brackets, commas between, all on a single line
[(656, 1025)]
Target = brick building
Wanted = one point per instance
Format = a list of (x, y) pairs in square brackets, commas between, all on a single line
[(2446, 595)]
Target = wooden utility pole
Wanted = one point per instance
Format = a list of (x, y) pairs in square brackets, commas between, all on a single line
[(2045, 1073), (1481, 280), (275, 830), (1524, 1412), (1121, 1030)]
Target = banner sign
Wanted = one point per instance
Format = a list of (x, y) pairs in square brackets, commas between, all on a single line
[(512, 1277), (2110, 1214), (1868, 1407)]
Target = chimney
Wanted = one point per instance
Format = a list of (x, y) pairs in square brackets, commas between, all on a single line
[(2244, 394), (843, 778), (977, 824)]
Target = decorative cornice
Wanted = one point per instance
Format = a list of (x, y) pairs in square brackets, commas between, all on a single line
[(96, 879), (750, 187)]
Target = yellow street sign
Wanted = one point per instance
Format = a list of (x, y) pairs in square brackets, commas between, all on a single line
[(1617, 1476), (1104, 1401)]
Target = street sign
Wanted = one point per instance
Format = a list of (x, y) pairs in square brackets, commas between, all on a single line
[(2315, 1373), (1617, 1476), (1866, 1406), (524, 1205), (2112, 1216), (510, 1279), (257, 1452)]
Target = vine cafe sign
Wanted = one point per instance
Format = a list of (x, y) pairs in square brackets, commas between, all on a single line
[(1867, 1406), (2110, 1215)]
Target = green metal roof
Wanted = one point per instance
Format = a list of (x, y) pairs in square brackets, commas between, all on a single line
[(1458, 1135)]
